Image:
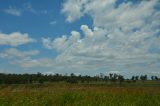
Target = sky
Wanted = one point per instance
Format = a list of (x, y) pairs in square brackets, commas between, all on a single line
[(80, 36)]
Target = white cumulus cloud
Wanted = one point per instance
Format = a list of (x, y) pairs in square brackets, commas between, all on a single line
[(14, 53), (122, 38), (15, 39), (60, 44), (73, 9)]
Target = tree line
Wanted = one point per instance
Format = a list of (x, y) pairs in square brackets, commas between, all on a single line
[(72, 78)]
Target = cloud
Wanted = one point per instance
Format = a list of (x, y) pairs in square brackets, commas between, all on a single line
[(28, 7), (30, 63), (13, 11), (53, 22), (4, 71), (88, 32), (15, 39), (24, 59), (73, 9), (14, 53), (98, 52), (122, 38), (60, 44), (45, 11)]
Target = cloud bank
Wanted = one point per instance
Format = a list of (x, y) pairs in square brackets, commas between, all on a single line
[(123, 38)]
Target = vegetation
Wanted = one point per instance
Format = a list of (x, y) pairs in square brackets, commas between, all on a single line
[(62, 90), (72, 78), (59, 94)]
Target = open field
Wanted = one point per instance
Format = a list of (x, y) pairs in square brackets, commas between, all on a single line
[(78, 95)]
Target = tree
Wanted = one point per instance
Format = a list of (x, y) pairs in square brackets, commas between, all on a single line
[(72, 75), (106, 78), (137, 78), (156, 78), (143, 77), (133, 78), (115, 77), (110, 76), (152, 77), (121, 79)]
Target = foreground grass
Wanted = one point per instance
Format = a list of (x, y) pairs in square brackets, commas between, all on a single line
[(78, 95)]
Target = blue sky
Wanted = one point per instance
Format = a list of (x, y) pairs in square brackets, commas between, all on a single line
[(80, 36), (37, 23)]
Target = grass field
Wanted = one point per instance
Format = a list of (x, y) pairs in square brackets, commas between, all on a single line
[(78, 95)]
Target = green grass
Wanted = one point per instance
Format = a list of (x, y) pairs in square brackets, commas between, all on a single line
[(78, 95)]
